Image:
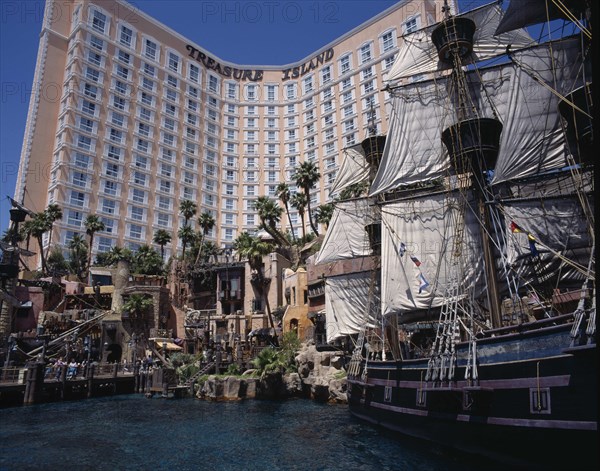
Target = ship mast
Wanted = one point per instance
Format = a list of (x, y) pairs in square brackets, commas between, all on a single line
[(473, 141)]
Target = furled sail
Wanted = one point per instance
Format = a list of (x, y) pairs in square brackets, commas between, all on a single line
[(354, 169), (524, 98), (522, 13), (346, 236), (418, 240), (346, 299), (548, 241), (418, 55)]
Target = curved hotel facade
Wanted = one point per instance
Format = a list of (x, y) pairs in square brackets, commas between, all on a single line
[(129, 118)]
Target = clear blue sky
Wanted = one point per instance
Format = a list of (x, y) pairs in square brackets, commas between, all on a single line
[(263, 32)]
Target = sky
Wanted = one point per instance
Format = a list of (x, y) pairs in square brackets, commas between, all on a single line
[(262, 32)]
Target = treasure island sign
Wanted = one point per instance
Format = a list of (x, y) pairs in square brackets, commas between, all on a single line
[(257, 75)]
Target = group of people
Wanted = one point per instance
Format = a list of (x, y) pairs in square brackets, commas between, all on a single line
[(55, 368)]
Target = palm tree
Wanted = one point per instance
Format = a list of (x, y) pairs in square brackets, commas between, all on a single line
[(299, 202), (206, 222), (269, 213), (92, 225), (283, 193), (254, 249), (188, 210), (307, 176), (53, 213), (137, 305), (187, 235), (324, 213), (162, 238), (39, 226), (25, 231), (78, 256), (147, 261)]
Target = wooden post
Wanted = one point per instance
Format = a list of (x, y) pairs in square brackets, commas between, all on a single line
[(63, 380), (114, 375), (136, 377), (34, 383), (90, 380)]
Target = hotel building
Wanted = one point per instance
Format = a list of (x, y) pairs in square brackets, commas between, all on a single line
[(128, 118)]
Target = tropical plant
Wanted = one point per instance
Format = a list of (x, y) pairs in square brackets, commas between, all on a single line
[(92, 225), (53, 213), (25, 232), (206, 222), (39, 226), (187, 236), (299, 202), (307, 175), (162, 237), (323, 214), (56, 263), (355, 190), (269, 361), (147, 261), (283, 193), (188, 210), (269, 213), (78, 256), (137, 305)]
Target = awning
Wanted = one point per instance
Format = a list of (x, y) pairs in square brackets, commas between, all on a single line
[(169, 345)]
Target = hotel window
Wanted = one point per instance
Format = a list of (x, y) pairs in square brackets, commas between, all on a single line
[(346, 83), (169, 124), (369, 102), (250, 122), (348, 125), (150, 49), (171, 95), (99, 21), (365, 53), (309, 102), (310, 128), (137, 213), (271, 149), (411, 25), (96, 43), (144, 129), (327, 106), (213, 84), (329, 147), (211, 114), (126, 36), (122, 72), (347, 96), (327, 93), (115, 135), (109, 224), (309, 115), (272, 176), (74, 218), (110, 188), (135, 231), (389, 61), (387, 41), (149, 69), (367, 73), (271, 135), (310, 142), (271, 91), (250, 219), (173, 62), (249, 190), (95, 58), (111, 170), (148, 84), (77, 199), (147, 99), (308, 84), (143, 145), (190, 163), (81, 160), (172, 81), (165, 186), (170, 109), (166, 170), (230, 147), (329, 134), (230, 134), (79, 179), (345, 64), (212, 101), (123, 57), (291, 134), (326, 74), (290, 91), (166, 154), (163, 220), (118, 119), (250, 176), (229, 203), (292, 161), (250, 92), (369, 86), (232, 90), (164, 202), (189, 178), (146, 114), (168, 139), (190, 133), (209, 200), (139, 178), (311, 155), (211, 128), (229, 190), (291, 109), (229, 219), (138, 196), (86, 125), (192, 119), (84, 142), (272, 162), (92, 74), (270, 110), (105, 243), (194, 73), (188, 193), (348, 110), (140, 161), (119, 103)]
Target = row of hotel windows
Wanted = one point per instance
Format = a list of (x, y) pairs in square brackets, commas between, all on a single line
[(150, 50)]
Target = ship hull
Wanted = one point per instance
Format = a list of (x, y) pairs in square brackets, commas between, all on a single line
[(534, 405)]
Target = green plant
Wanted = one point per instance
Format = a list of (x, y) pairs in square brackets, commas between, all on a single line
[(233, 370)]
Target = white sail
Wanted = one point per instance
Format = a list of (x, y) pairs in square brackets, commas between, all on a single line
[(354, 169), (416, 247), (346, 299), (524, 99), (418, 55), (547, 239), (346, 236)]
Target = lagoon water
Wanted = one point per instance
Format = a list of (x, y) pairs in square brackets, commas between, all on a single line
[(132, 432)]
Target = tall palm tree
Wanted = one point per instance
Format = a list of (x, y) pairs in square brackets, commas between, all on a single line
[(299, 202), (78, 256), (307, 175), (188, 210), (137, 305), (39, 226), (187, 235), (283, 193), (162, 237), (25, 231), (254, 249), (92, 225), (53, 213), (206, 222), (269, 213), (324, 213)]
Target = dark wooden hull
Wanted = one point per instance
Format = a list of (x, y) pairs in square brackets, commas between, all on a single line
[(535, 403)]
